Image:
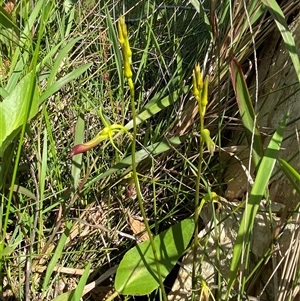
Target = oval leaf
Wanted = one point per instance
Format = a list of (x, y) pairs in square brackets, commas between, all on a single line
[(137, 274)]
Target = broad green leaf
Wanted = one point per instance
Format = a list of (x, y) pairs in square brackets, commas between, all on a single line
[(137, 274), (246, 110), (286, 34), (13, 111), (258, 190)]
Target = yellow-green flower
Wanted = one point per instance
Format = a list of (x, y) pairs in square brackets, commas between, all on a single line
[(200, 90), (107, 133), (126, 50)]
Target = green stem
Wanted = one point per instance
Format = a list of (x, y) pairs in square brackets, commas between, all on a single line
[(138, 189), (112, 297), (197, 212)]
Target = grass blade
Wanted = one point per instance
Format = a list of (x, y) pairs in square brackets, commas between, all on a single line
[(157, 107), (246, 110), (63, 81), (286, 34), (77, 160), (57, 254), (118, 58), (151, 150), (59, 59), (291, 174), (257, 192), (80, 287)]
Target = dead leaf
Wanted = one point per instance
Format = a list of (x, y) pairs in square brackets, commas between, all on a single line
[(138, 228), (9, 7)]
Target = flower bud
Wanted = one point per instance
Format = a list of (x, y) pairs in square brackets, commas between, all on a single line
[(205, 135)]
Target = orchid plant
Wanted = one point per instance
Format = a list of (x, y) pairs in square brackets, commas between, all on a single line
[(110, 130), (200, 91), (107, 132)]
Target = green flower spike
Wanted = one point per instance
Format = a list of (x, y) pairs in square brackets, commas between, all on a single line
[(205, 135), (107, 133), (200, 90), (126, 50)]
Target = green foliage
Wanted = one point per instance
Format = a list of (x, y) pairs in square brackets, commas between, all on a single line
[(285, 32), (246, 110), (61, 62), (57, 254), (258, 191), (14, 109), (137, 273)]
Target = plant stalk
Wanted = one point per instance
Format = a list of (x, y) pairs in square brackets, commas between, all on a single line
[(138, 189), (196, 219)]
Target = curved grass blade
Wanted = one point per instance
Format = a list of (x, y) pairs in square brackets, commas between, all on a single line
[(156, 107), (291, 174), (59, 60), (286, 34), (258, 190), (80, 287), (57, 254), (63, 81), (117, 54), (246, 110)]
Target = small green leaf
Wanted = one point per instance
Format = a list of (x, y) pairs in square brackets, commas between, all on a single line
[(137, 274), (13, 110)]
